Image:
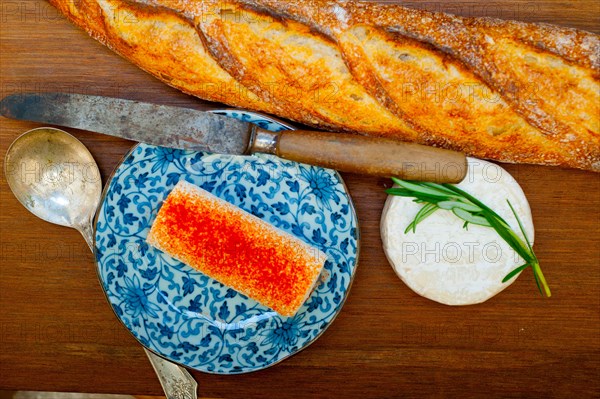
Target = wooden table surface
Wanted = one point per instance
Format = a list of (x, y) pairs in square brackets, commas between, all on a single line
[(58, 333)]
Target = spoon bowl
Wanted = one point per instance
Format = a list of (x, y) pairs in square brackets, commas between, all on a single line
[(55, 177)]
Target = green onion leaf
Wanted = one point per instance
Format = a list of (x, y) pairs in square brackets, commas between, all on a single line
[(470, 218), (415, 187), (449, 205), (515, 272), (423, 213)]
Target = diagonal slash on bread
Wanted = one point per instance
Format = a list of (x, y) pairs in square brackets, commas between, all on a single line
[(502, 90)]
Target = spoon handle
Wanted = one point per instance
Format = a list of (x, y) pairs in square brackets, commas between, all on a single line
[(87, 231), (176, 381)]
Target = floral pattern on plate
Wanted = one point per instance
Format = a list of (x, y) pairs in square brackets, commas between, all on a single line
[(189, 318)]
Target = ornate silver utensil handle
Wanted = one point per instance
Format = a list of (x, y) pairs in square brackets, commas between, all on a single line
[(175, 380)]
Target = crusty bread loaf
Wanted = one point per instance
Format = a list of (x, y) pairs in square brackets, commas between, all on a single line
[(236, 248), (503, 90)]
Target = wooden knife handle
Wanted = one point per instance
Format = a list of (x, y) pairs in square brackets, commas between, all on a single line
[(365, 155)]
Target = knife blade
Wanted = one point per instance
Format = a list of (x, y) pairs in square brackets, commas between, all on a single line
[(154, 124), (185, 128)]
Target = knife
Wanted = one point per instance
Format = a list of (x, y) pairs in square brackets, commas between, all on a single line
[(185, 128)]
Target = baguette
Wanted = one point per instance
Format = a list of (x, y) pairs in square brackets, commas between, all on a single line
[(236, 248), (502, 90)]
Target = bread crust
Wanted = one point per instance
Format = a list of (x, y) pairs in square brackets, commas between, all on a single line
[(521, 92)]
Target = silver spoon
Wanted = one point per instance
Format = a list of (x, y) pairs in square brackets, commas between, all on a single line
[(56, 178)]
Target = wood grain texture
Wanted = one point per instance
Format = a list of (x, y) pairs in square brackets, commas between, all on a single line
[(58, 333)]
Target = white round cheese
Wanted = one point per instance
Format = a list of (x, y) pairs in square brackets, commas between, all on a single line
[(443, 261)]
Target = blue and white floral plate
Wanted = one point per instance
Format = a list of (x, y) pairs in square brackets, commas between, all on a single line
[(190, 318)]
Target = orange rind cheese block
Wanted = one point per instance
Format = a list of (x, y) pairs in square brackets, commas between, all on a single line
[(236, 248)]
